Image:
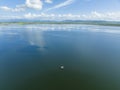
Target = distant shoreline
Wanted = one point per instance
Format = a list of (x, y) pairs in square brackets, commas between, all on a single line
[(100, 23)]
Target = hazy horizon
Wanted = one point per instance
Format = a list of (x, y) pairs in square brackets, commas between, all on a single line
[(60, 10)]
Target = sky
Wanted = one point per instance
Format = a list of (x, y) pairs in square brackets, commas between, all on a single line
[(60, 9)]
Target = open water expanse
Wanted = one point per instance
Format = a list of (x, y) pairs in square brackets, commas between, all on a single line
[(59, 57)]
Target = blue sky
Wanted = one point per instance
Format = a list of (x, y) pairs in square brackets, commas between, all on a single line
[(61, 9)]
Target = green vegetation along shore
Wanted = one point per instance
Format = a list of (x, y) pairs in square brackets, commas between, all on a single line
[(101, 23)]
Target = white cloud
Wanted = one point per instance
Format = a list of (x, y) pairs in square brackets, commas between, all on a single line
[(63, 4), (109, 16), (35, 4), (41, 16), (104, 16), (29, 15), (5, 8), (48, 1)]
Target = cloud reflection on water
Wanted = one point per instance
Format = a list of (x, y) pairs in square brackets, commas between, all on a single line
[(63, 27), (35, 37), (35, 32)]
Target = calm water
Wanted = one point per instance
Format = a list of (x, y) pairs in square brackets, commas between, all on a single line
[(31, 57)]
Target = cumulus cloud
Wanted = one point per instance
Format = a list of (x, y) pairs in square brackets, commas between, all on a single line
[(104, 16), (35, 4), (5, 8), (108, 16), (63, 4), (48, 1), (39, 16), (17, 9)]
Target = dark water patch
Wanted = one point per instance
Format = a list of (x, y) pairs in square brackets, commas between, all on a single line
[(32, 60)]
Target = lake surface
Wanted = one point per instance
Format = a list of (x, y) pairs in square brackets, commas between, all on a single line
[(31, 57)]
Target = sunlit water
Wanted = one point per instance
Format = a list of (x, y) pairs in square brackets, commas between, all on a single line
[(59, 57)]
